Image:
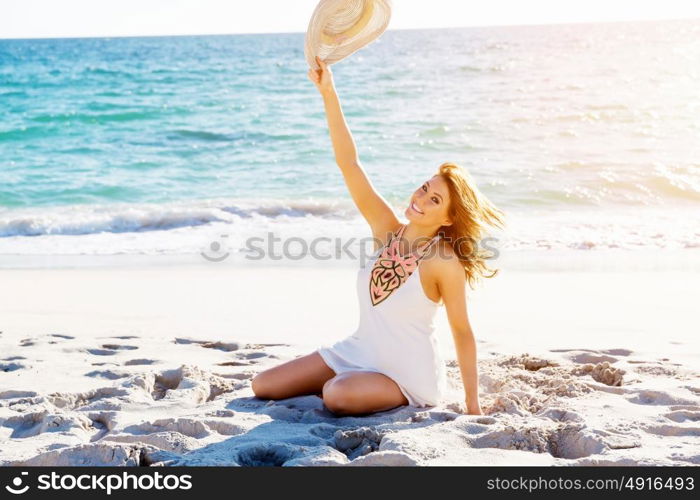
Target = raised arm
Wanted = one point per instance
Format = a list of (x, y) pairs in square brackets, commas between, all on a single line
[(373, 207)]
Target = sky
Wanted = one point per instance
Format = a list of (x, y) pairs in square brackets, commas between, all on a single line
[(79, 18)]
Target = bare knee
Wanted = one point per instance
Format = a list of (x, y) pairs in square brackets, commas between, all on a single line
[(263, 386), (339, 398)]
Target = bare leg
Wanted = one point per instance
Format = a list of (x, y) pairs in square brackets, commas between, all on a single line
[(359, 393), (302, 375)]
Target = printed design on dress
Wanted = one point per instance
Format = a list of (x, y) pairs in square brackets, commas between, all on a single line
[(391, 270)]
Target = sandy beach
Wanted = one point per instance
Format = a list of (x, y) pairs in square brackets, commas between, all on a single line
[(151, 365), (173, 221)]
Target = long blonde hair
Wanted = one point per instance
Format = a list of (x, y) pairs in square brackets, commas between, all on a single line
[(471, 212)]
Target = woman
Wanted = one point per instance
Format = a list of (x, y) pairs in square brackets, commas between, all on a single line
[(392, 359)]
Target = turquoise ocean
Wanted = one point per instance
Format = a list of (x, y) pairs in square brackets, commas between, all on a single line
[(586, 135)]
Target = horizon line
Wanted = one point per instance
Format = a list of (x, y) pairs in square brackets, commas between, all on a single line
[(388, 30)]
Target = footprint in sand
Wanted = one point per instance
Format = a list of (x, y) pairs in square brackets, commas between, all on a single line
[(561, 415), (189, 382), (617, 352), (102, 352), (690, 407), (13, 394), (247, 359), (323, 431), (58, 335), (222, 346), (589, 357), (611, 352), (185, 426), (234, 363), (225, 427), (14, 358), (189, 427), (236, 376), (672, 430), (181, 340), (104, 422), (656, 369), (38, 422), (564, 440), (142, 361), (254, 355), (119, 347), (108, 374), (231, 347), (102, 398), (443, 416), (124, 337), (266, 454), (651, 397), (10, 367), (683, 415)]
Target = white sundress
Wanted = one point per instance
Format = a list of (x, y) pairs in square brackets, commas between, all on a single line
[(396, 333)]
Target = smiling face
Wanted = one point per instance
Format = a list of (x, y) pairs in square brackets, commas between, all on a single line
[(429, 203)]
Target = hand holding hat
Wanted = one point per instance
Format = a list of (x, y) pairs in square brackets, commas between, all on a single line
[(323, 77)]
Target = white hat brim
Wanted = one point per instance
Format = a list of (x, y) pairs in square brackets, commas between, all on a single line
[(339, 28)]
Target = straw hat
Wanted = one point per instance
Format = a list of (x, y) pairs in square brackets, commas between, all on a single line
[(339, 28)]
